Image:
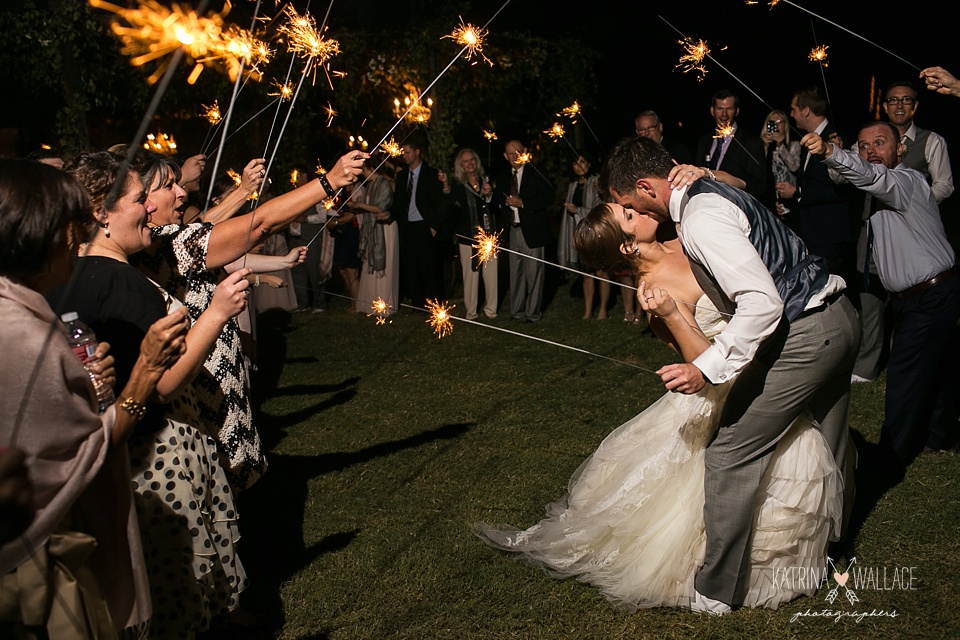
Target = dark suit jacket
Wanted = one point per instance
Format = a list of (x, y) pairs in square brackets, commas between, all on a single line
[(430, 200), (822, 208), (744, 159), (537, 194)]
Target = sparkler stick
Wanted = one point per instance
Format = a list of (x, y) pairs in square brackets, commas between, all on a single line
[(557, 131), (819, 55), (488, 245), (857, 35), (466, 47), (714, 60), (490, 136)]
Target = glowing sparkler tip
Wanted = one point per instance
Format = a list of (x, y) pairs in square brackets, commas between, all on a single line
[(524, 158), (471, 38), (724, 131), (572, 111), (489, 135), (391, 148), (284, 91), (304, 39), (819, 54), (212, 113), (692, 59), (486, 244), (234, 176), (556, 131), (440, 317)]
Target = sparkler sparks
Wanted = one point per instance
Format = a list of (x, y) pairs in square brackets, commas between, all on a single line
[(819, 54), (524, 158), (304, 39), (489, 135), (331, 114), (234, 176), (156, 31), (486, 244), (572, 111), (470, 37), (212, 113), (392, 148), (556, 131), (294, 176), (440, 317), (724, 131), (692, 59), (381, 310), (284, 91)]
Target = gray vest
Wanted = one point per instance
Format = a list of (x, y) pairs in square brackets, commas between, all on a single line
[(916, 156), (797, 274)]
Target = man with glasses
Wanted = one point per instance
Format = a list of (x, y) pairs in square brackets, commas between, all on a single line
[(649, 125), (926, 151)]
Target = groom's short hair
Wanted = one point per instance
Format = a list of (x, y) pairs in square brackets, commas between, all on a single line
[(632, 159)]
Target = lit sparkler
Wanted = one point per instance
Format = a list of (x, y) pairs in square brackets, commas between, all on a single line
[(489, 135), (236, 177), (381, 310), (303, 38), (284, 91), (524, 158), (556, 131), (156, 31), (440, 317), (391, 148), (471, 38), (819, 54), (212, 113), (572, 111), (486, 244), (692, 59), (724, 131)]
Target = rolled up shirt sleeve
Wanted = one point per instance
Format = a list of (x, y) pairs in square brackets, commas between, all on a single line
[(716, 233)]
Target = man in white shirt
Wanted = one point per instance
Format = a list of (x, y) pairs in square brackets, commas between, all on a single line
[(789, 346)]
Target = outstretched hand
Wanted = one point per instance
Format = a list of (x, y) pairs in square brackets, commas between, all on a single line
[(682, 377), (940, 80), (346, 170), (816, 145)]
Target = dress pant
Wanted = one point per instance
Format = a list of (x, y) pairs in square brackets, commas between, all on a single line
[(421, 271), (919, 366), (526, 278), (873, 309), (804, 365), (471, 283)]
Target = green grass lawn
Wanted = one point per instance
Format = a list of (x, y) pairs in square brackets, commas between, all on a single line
[(387, 444)]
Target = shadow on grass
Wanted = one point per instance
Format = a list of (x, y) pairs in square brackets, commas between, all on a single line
[(272, 547), (876, 475)]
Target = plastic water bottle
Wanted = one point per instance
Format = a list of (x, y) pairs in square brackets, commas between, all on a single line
[(83, 342)]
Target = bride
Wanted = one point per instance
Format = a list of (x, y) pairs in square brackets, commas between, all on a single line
[(631, 522)]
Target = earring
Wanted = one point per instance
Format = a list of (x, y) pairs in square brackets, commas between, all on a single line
[(633, 250), (106, 230)]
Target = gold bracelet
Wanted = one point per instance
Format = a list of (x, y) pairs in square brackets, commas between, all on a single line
[(134, 408)]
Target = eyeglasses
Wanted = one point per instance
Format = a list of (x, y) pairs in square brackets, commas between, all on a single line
[(907, 100)]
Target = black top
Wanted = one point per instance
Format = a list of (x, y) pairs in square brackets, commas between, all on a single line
[(118, 303)]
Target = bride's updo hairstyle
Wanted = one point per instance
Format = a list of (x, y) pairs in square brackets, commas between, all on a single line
[(598, 239)]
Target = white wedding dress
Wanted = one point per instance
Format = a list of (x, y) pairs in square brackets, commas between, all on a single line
[(632, 521)]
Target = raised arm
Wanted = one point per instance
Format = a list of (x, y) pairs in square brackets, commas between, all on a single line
[(250, 181), (232, 238)]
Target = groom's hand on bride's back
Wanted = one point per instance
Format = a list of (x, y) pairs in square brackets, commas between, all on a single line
[(682, 378)]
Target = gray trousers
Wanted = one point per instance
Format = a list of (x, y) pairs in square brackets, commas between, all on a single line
[(526, 278), (803, 365)]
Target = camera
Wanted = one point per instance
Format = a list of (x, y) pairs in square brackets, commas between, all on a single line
[(772, 126)]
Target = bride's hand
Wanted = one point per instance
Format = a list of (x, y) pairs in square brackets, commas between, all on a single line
[(682, 378), (656, 302), (682, 175)]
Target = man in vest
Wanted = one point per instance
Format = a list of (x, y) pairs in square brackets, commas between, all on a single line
[(917, 265), (789, 346)]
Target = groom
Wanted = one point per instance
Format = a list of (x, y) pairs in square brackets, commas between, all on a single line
[(791, 343)]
